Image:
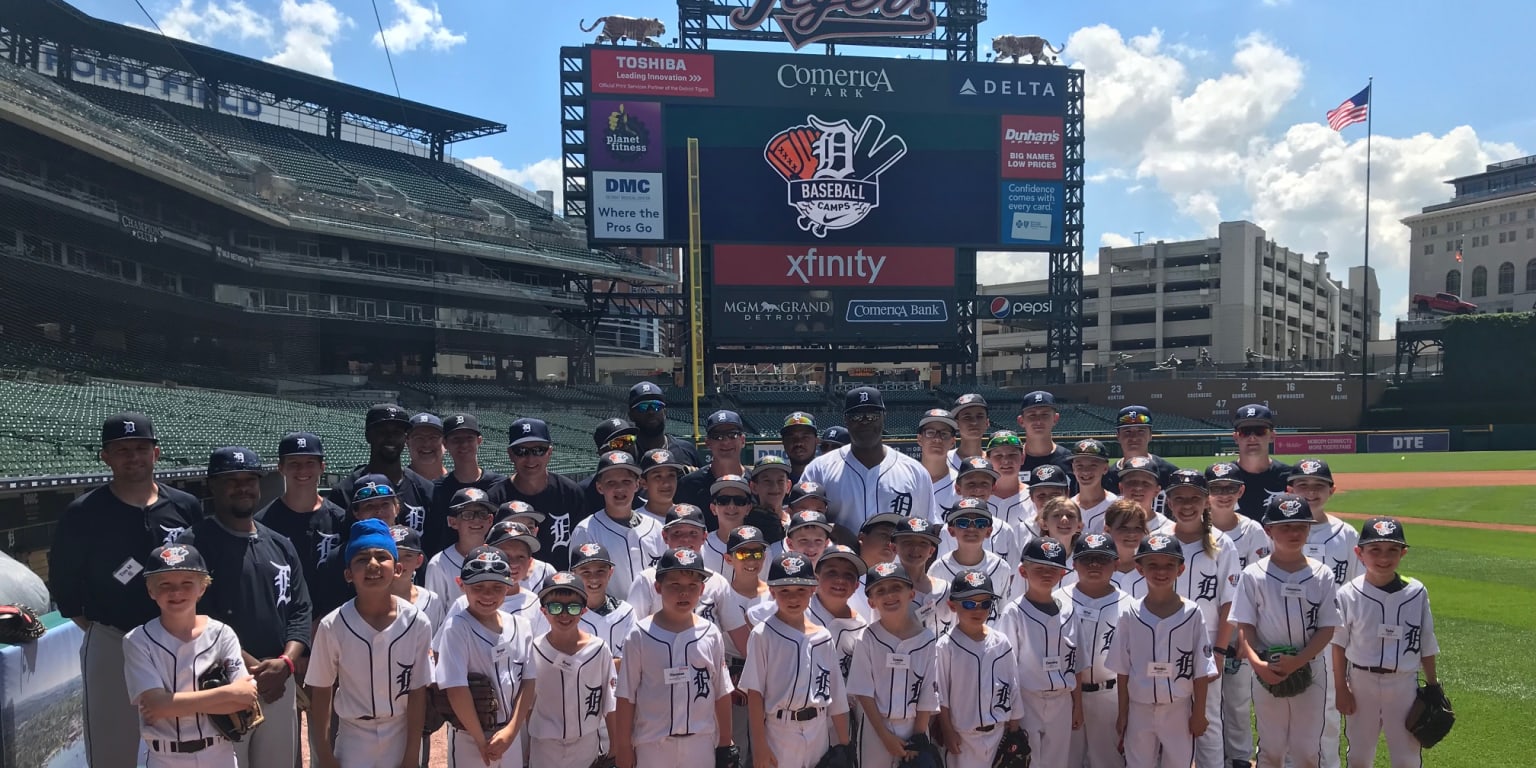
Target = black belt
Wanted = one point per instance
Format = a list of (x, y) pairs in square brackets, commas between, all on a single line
[(735, 667), (986, 728), (1107, 685), (182, 747), (798, 715), (1373, 670)]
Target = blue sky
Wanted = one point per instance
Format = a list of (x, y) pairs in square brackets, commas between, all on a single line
[(1198, 111)]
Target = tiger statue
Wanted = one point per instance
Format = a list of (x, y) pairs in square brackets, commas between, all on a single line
[(616, 29), (1016, 46)]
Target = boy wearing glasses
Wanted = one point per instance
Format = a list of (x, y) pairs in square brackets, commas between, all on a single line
[(577, 668), (484, 639), (1263, 478), (558, 498), (976, 674), (729, 501), (970, 523), (470, 512), (935, 438), (632, 539)]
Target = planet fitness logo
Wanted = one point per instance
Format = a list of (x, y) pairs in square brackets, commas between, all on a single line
[(627, 139)]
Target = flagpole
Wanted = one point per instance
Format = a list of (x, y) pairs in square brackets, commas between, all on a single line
[(1365, 351)]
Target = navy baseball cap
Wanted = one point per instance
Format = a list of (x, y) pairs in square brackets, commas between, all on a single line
[(969, 400), (406, 538), (882, 572), (971, 583), (660, 458), (723, 419), (590, 552), (232, 459), (1141, 464), (745, 536), (461, 422), (1095, 544), (804, 518), (770, 463), (724, 482), (1133, 416), (680, 559), (425, 419), (1046, 551), (369, 487), (528, 431), (1160, 544), (970, 507), (1188, 478), (515, 509), (937, 416), (617, 460), (863, 398), (300, 444), (1090, 448), (645, 392), (128, 425), (468, 497), (1286, 508), (386, 413), (837, 435), (1255, 413), (792, 569), (511, 530), (1222, 472), (1311, 468), (1037, 397), (798, 419), (685, 514), (485, 563), (917, 526), (609, 429), (1048, 476), (805, 489), (972, 464), (1382, 529), (884, 518), (841, 552), (562, 581), (175, 557)]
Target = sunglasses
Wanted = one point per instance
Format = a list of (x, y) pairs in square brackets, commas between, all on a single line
[(1134, 418), (499, 567), (569, 609), (477, 513), (1253, 431), (971, 605), (621, 442), (523, 453), (721, 437), (373, 492), (865, 417), (749, 554), (979, 523), (732, 501), (649, 406)]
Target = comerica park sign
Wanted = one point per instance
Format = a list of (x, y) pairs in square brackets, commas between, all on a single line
[(808, 21)]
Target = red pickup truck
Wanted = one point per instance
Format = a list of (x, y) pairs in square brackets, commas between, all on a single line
[(1443, 302)]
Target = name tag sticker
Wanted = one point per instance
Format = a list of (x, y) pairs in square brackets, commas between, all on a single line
[(1088, 614), (1390, 632), (1160, 670), (501, 653), (898, 660), (125, 572), (1314, 551), (675, 676), (1294, 591), (1051, 663), (566, 663)]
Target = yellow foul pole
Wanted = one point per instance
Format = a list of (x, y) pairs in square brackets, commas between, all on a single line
[(695, 286)]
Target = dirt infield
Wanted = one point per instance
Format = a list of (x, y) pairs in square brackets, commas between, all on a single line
[(1381, 481)]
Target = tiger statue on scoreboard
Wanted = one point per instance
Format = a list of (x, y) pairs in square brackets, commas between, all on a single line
[(616, 29), (1033, 46)]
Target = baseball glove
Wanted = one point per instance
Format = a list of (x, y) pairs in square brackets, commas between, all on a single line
[(1294, 683), (727, 757), (928, 754), (839, 756), (1430, 717), (604, 761), (484, 696), (19, 624), (1013, 751), (233, 727)]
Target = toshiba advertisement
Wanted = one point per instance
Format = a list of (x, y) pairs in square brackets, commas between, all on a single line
[(832, 294)]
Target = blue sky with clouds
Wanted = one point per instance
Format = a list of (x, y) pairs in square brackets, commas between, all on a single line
[(1197, 111)]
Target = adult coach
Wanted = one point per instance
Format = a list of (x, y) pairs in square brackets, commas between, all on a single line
[(424, 446), (798, 435), (1253, 427), (259, 591), (100, 548), (384, 428), (556, 497), (726, 434), (648, 410), (867, 478)]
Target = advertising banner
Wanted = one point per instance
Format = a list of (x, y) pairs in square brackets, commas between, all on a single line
[(1031, 212), (633, 72), (1308, 445), (833, 267), (625, 136), (1032, 147), (1408, 442), (627, 206), (745, 315)]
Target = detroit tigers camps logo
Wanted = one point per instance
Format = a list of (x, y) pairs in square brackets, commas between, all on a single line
[(589, 549), (792, 565), (1051, 548), (1384, 527), (1309, 466), (686, 556), (1095, 540), (884, 569), (749, 533), (833, 170), (173, 556), (975, 578), (1045, 472), (1159, 541), (1223, 469), (916, 525)]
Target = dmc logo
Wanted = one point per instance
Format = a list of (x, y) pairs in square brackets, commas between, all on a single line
[(837, 83), (1021, 88), (1003, 307), (1017, 136), (832, 170), (806, 21), (809, 265), (636, 186)]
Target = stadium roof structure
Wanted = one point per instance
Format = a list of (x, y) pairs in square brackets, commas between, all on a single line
[(66, 26)]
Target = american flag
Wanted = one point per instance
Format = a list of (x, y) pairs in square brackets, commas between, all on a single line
[(1355, 110)]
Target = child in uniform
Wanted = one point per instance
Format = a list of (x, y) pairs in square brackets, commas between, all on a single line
[(892, 675), (1044, 636), (408, 544), (730, 501), (976, 674), (163, 658), (1096, 607), (1090, 463), (470, 516), (632, 539), (523, 512), (1331, 542), (1125, 521), (1251, 543), (577, 671), (970, 523), (809, 530), (607, 617)]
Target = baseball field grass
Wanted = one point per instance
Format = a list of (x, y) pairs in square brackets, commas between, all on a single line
[(1467, 461), (1507, 505)]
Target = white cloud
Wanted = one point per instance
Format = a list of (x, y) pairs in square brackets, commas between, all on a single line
[(310, 30), (187, 21), (1115, 240), (998, 267), (416, 26), (543, 174)]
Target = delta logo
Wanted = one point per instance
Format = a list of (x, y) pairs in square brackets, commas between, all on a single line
[(833, 170)]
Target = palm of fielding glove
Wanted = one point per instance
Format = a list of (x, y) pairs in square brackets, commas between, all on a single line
[(836, 757), (726, 757)]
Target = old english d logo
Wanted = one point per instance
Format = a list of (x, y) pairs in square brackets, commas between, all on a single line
[(833, 171)]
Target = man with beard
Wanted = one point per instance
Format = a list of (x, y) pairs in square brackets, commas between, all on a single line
[(95, 568), (384, 428), (866, 478), (461, 434), (258, 590), (424, 444), (648, 410), (799, 437), (556, 497)]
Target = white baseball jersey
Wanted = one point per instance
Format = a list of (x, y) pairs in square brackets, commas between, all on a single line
[(610, 624), (977, 681), (1333, 544), (1130, 582), (1097, 619), (153, 659), (711, 606), (944, 496), (432, 605), (1285, 608), (1093, 517), (634, 546), (538, 572), (794, 669), (929, 598), (1387, 630), (673, 679), (1209, 582), (748, 610), (442, 574), (855, 493), (1016, 510), (1249, 538), (575, 691), (464, 645), (845, 632), (898, 674), (397, 661), (1161, 658), (1005, 577), (1046, 644), (520, 603)]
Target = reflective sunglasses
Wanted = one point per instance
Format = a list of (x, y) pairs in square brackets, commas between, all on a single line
[(865, 417), (496, 566), (721, 437), (522, 453), (373, 492), (569, 609), (649, 406), (971, 605), (732, 501), (749, 554), (474, 513), (1134, 418), (621, 442), (980, 523), (1253, 431)]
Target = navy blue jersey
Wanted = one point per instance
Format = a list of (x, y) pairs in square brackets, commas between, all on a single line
[(258, 586), (563, 505), (436, 536), (314, 535)]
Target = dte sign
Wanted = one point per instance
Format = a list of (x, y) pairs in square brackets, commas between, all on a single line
[(633, 186), (1409, 442)]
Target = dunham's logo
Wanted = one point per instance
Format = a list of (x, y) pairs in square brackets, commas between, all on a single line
[(758, 310), (833, 170), (807, 21)]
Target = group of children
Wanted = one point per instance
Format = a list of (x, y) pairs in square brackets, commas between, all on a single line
[(1131, 639)]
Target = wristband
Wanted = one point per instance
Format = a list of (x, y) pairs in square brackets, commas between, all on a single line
[(291, 669)]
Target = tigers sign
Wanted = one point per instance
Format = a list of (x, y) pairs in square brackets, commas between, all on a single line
[(807, 21)]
